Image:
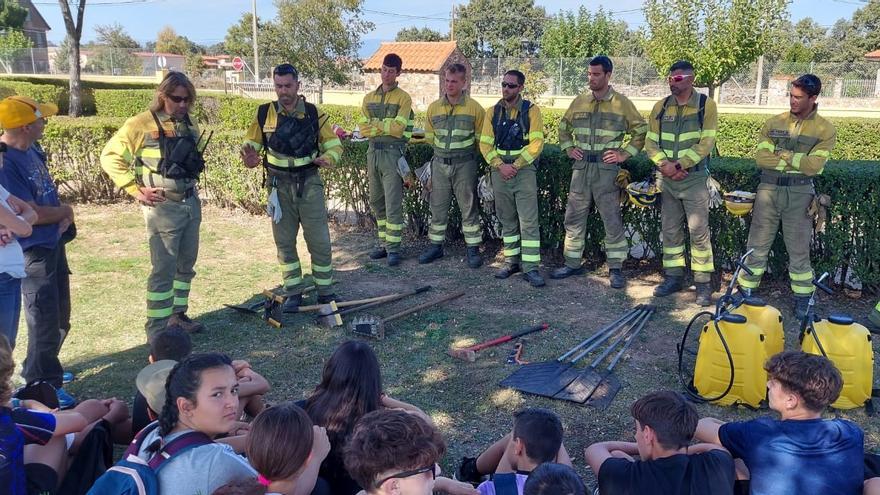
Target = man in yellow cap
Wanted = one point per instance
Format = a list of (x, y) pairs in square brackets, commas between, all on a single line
[(46, 287), (156, 157)]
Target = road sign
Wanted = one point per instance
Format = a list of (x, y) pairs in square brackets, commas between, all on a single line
[(237, 64), (161, 61)]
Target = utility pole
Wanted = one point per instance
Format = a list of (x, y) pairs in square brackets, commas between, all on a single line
[(452, 23), (256, 53)]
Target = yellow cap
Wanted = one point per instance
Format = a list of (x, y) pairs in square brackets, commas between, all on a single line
[(18, 111)]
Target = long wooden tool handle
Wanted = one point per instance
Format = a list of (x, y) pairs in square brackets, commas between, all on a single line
[(345, 304), (423, 306), (396, 297)]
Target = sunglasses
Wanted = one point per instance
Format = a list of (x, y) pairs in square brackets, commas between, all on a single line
[(509, 85), (680, 77), (179, 99), (406, 474)]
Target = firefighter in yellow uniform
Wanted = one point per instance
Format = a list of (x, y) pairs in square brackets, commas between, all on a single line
[(681, 134), (156, 157), (511, 142), (792, 149), (387, 122), (297, 140), (453, 125), (592, 133)]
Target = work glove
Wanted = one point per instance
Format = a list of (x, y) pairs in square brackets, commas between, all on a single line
[(423, 173), (715, 199), (484, 188), (273, 206), (622, 180), (818, 211)]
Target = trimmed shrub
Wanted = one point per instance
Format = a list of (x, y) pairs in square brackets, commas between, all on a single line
[(44, 93)]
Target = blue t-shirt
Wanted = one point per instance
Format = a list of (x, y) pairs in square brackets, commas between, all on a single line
[(798, 456), (24, 174), (18, 428)]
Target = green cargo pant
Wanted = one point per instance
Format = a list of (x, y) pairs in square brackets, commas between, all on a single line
[(516, 204), (458, 178), (591, 183), (308, 209), (386, 192), (874, 316), (686, 201), (788, 205), (173, 237)]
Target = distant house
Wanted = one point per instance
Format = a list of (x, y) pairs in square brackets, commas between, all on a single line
[(153, 62), (423, 65), (217, 62), (35, 28)]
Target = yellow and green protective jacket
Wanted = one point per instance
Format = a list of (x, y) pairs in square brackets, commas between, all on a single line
[(793, 146), (534, 137), (598, 125), (454, 130), (387, 117), (682, 138)]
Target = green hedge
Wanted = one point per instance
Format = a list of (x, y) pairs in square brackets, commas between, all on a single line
[(45, 93), (55, 90), (851, 241)]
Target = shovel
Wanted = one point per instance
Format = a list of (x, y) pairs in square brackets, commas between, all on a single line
[(549, 377), (591, 382)]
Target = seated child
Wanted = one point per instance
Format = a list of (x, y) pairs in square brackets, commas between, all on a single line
[(536, 438), (664, 427), (393, 451), (800, 452), (554, 479)]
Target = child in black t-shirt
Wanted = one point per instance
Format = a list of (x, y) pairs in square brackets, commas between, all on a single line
[(664, 426)]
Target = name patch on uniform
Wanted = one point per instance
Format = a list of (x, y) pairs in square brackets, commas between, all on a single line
[(168, 133), (778, 133), (669, 118), (580, 115)]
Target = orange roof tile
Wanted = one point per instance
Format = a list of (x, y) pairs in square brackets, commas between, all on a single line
[(418, 56), (875, 55)]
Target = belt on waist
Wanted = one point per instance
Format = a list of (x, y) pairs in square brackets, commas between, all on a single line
[(385, 146), (592, 157), (180, 196), (296, 175), (786, 181), (290, 171), (454, 160)]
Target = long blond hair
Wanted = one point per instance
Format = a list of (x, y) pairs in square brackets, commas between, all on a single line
[(169, 84)]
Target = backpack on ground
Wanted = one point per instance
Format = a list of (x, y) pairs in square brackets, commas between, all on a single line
[(135, 476)]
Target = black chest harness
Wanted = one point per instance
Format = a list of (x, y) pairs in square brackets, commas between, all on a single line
[(180, 155)]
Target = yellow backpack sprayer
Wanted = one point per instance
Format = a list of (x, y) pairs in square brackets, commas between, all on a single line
[(848, 345), (733, 346)]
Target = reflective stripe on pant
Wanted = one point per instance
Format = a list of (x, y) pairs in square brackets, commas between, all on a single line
[(310, 211), (459, 179), (594, 183), (45, 295), (386, 194), (786, 205), (516, 203), (686, 201), (173, 236)]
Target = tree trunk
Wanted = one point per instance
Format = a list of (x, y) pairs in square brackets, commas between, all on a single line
[(321, 92), (711, 91), (75, 109)]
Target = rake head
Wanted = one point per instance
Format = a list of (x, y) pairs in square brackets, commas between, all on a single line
[(367, 326)]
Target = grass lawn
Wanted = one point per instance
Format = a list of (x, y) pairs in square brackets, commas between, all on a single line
[(106, 346)]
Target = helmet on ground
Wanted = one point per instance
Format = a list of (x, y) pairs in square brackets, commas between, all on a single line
[(739, 203), (642, 194)]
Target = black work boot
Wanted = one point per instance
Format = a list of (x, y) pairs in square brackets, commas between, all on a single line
[(394, 259), (704, 293), (378, 253), (534, 277), (473, 257), (615, 277), (292, 303), (566, 271), (800, 305), (328, 298), (671, 284), (507, 270), (435, 252)]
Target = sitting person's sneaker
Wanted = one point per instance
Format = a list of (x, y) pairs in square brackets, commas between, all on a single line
[(378, 253), (65, 400), (67, 377), (292, 303), (467, 471), (185, 322)]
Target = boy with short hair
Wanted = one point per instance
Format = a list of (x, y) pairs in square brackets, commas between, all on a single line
[(665, 424), (393, 451), (801, 452), (536, 438)]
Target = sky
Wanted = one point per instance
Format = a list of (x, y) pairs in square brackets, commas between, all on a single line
[(206, 21)]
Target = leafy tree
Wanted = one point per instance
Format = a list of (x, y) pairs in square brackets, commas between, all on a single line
[(866, 23), (114, 35), (718, 36), (193, 65), (420, 34), (113, 52), (499, 28), (239, 39), (74, 34), (12, 15), (12, 44), (62, 54), (168, 41), (320, 37)]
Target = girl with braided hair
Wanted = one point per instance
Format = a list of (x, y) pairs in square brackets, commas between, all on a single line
[(201, 395)]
